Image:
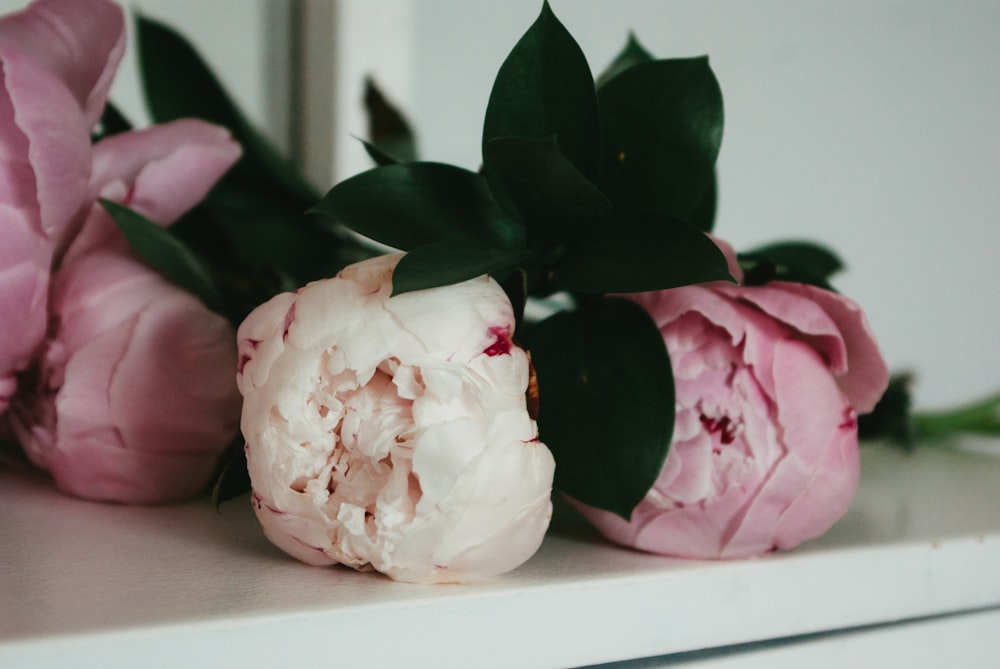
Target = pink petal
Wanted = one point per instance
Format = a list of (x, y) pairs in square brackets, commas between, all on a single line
[(23, 289), (811, 411), (868, 374), (799, 313), (57, 138), (167, 169), (840, 332), (92, 466), (174, 389), (79, 42)]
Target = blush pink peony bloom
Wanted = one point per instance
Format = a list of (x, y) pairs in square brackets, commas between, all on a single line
[(393, 433), (57, 60), (769, 384), (132, 398)]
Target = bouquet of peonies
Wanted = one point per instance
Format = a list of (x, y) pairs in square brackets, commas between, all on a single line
[(401, 412)]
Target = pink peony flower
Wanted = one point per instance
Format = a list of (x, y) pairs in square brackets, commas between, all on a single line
[(57, 60), (392, 433), (132, 398), (769, 384)]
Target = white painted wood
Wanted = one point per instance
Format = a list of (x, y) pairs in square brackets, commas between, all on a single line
[(966, 640), (111, 586)]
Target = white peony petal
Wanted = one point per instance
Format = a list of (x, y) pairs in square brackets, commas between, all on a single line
[(393, 433)]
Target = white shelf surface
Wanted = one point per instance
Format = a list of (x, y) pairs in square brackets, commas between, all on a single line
[(95, 585)]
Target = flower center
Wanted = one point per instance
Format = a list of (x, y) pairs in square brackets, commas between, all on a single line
[(724, 427)]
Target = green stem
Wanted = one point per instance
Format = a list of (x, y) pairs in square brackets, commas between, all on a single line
[(982, 417)]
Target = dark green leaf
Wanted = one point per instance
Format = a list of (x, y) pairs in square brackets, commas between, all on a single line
[(544, 88), (662, 125), (388, 130), (546, 192), (411, 204), (165, 253), (639, 251), (446, 262), (703, 216), (378, 155), (606, 401), (891, 418), (178, 84), (633, 54), (806, 257), (761, 272)]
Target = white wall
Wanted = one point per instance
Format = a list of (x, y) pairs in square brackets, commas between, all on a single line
[(868, 124)]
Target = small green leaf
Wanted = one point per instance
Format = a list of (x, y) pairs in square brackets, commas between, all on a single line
[(179, 84), (446, 262), (388, 130), (606, 401), (639, 251), (410, 204), (632, 54), (662, 125), (802, 256), (544, 88), (547, 193), (165, 253)]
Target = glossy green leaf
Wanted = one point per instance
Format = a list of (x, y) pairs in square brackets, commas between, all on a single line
[(543, 89), (446, 262), (411, 204), (639, 251), (662, 125), (179, 84), (606, 401), (703, 216), (165, 253), (632, 54), (546, 192)]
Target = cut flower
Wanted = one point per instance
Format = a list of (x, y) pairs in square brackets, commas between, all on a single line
[(769, 382), (392, 432), (131, 397)]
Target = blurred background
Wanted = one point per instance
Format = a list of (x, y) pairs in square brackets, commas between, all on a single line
[(868, 125)]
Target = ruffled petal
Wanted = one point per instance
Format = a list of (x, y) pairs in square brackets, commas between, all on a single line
[(79, 42), (167, 168)]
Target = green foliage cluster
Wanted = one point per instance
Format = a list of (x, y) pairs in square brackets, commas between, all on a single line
[(590, 188)]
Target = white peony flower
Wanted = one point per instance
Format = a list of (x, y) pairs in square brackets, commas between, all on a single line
[(393, 433)]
